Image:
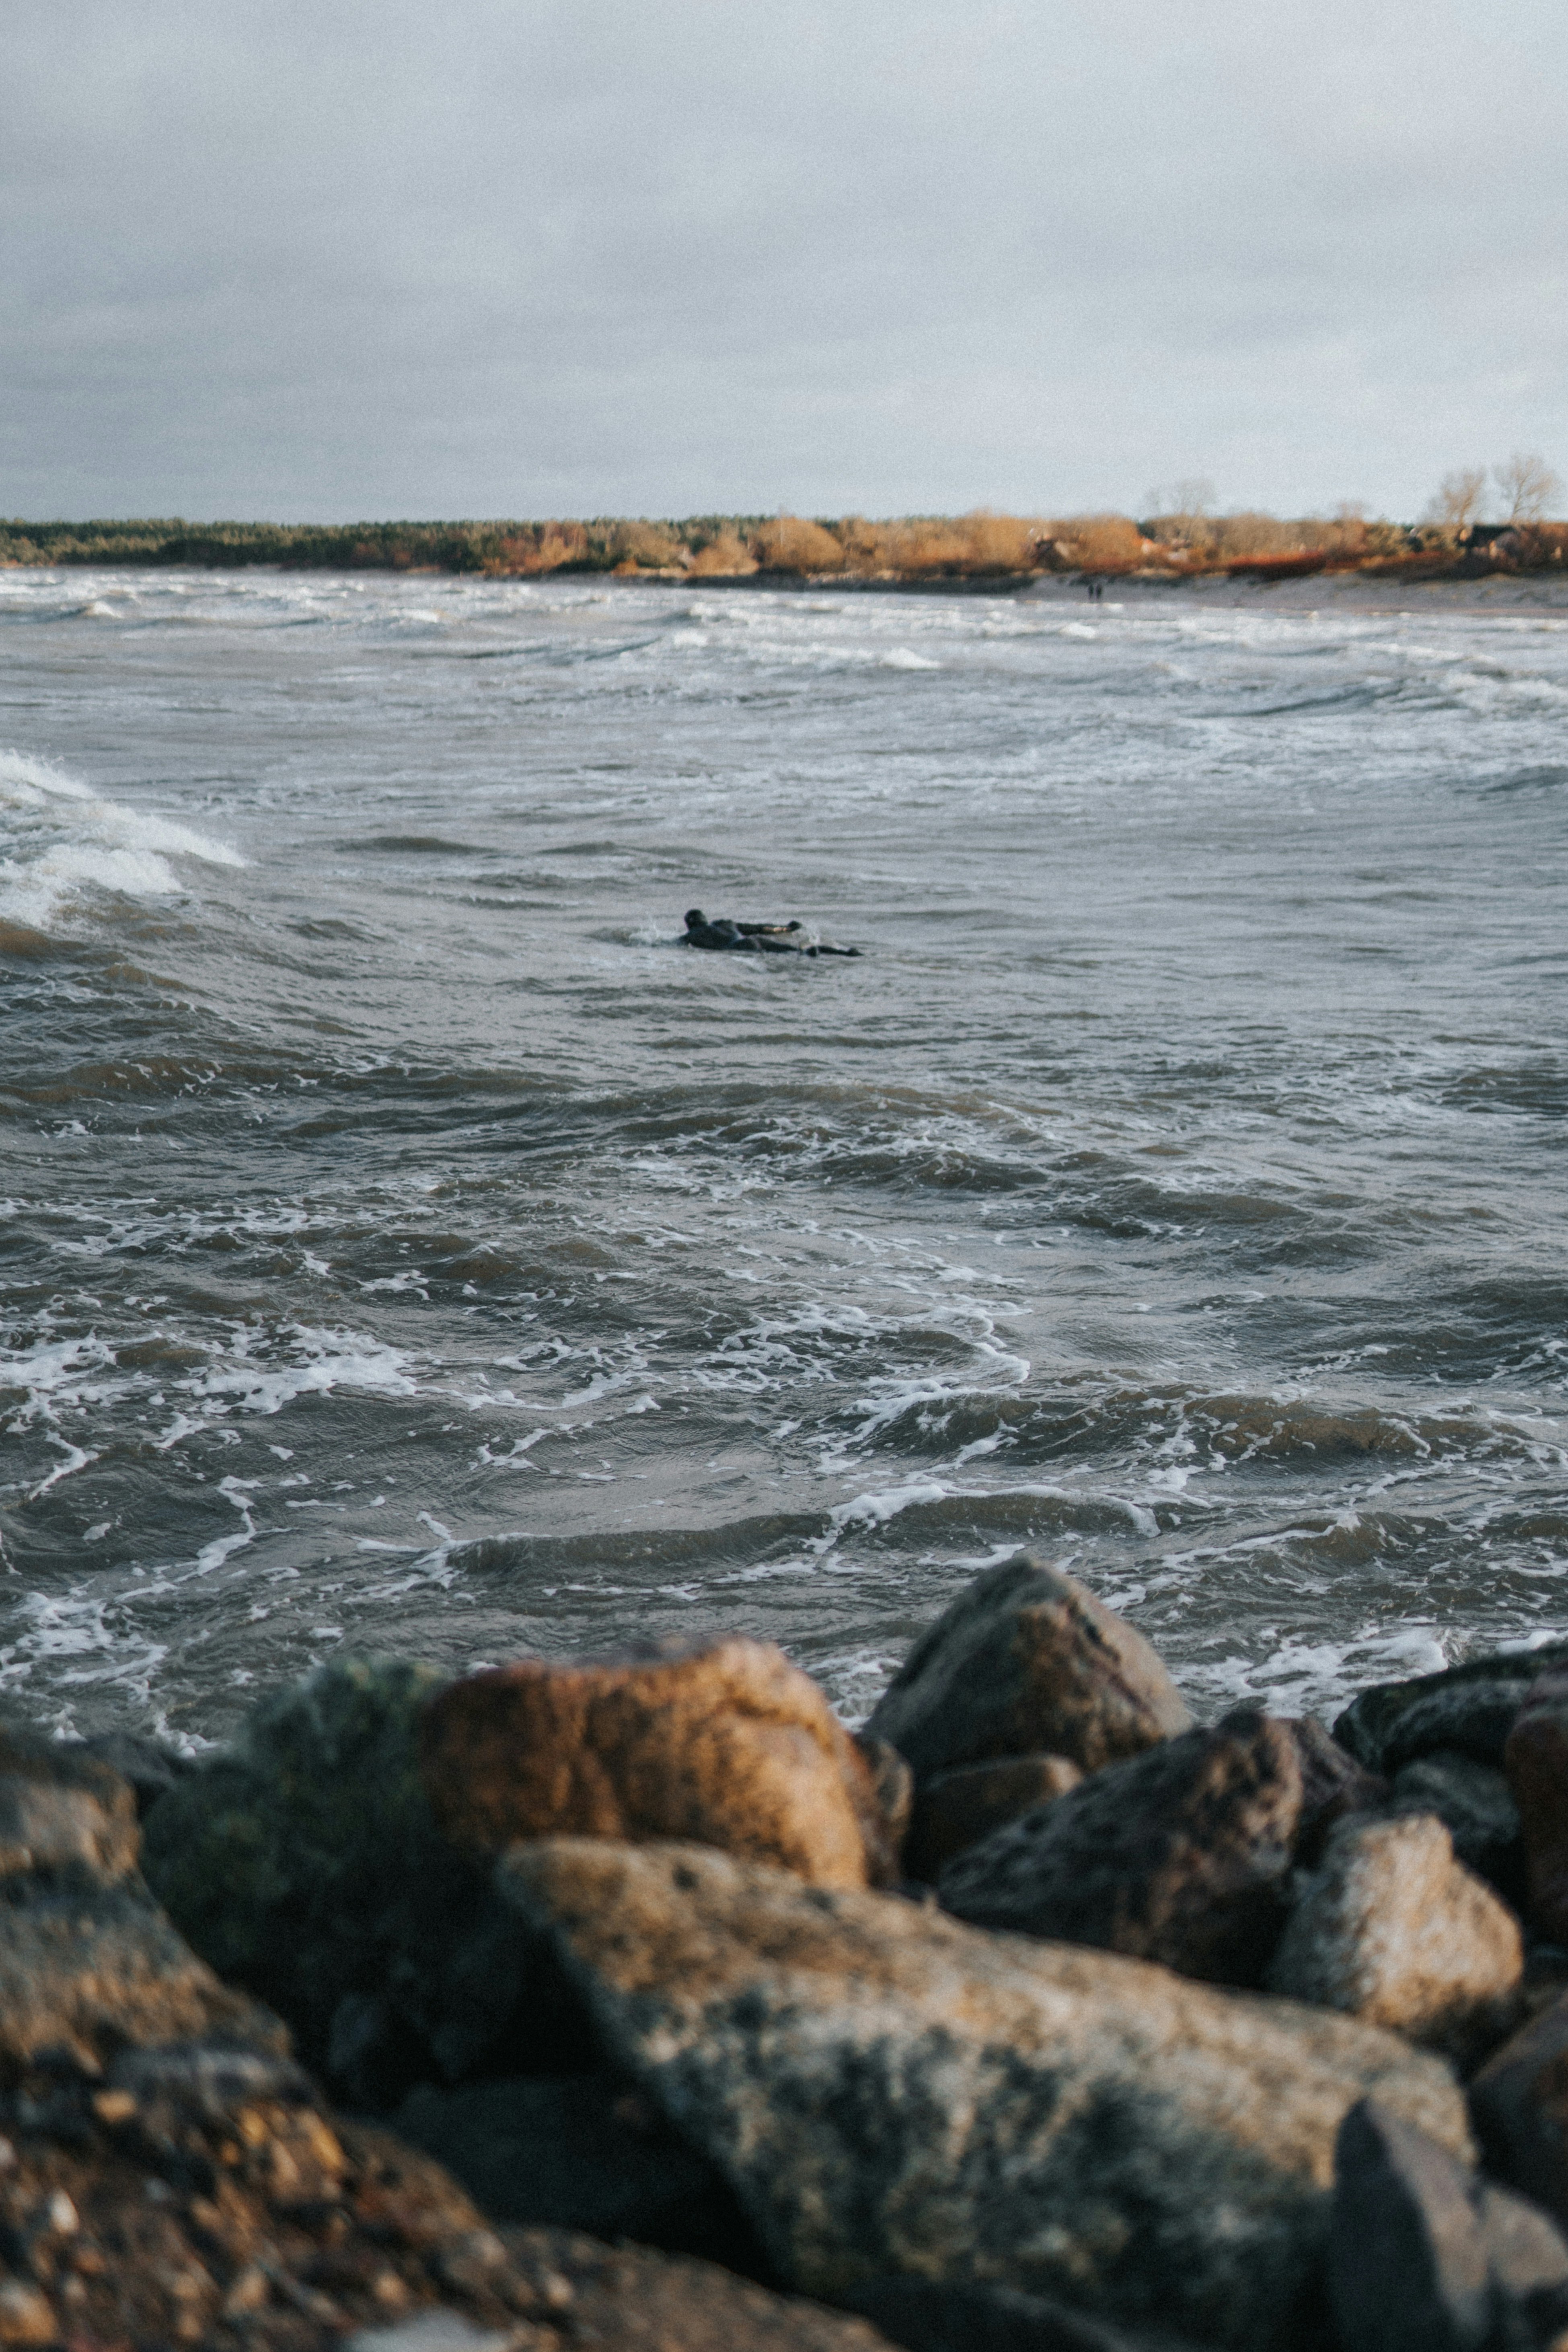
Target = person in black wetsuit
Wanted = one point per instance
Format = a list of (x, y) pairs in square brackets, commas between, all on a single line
[(768, 938)]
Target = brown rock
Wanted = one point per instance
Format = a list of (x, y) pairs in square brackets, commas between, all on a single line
[(626, 2298), (60, 1808), (1536, 1761), (955, 1809), (1519, 2103), (1333, 1784), (724, 1743), (1180, 1855), (1027, 1661), (1393, 1930), (889, 2092), (894, 1784)]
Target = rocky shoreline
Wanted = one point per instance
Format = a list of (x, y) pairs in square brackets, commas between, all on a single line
[(637, 2004)]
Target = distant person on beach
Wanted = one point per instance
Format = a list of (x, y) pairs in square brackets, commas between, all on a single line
[(768, 938)]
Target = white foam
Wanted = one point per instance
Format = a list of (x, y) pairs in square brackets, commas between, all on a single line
[(60, 842)]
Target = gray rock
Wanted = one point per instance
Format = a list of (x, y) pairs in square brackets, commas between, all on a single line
[(1392, 1929), (1520, 2105), (1476, 1804), (955, 1809), (150, 1766), (1407, 2263), (88, 1968), (1182, 1855), (1527, 2258), (581, 2152), (1027, 1661), (1536, 1759), (1470, 1707), (891, 2092), (1332, 1783)]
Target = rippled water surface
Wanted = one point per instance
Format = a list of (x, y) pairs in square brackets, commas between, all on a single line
[(407, 1246)]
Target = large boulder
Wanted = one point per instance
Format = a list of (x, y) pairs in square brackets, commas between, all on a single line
[(890, 2092), (1536, 1759), (1425, 2257), (1392, 1929), (723, 1742), (953, 1811), (1180, 1855), (1027, 1662), (1470, 1707)]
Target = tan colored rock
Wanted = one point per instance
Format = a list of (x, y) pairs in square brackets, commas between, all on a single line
[(60, 1809), (1536, 1761), (955, 1809), (1393, 1930), (891, 2092), (628, 2298), (1027, 1662), (724, 1743)]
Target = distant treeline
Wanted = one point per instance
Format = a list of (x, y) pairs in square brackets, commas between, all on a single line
[(981, 546)]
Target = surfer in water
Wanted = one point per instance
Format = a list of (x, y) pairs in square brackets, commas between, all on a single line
[(767, 938)]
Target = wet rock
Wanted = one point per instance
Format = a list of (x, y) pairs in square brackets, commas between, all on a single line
[(1520, 2103), (955, 1809), (306, 1864), (1476, 1804), (1027, 1661), (582, 2152), (630, 2299), (1182, 1855), (723, 1742), (1536, 1760), (1470, 1707), (1425, 2257), (926, 2317), (1392, 1929), (890, 2091), (893, 1784), (179, 2204)]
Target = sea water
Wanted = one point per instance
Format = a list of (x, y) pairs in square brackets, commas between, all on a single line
[(409, 1248)]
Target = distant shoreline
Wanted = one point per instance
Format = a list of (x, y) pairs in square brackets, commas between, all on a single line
[(980, 554)]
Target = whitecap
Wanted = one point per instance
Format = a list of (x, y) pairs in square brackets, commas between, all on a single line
[(60, 841)]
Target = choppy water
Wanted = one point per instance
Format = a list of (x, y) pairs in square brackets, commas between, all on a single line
[(406, 1246)]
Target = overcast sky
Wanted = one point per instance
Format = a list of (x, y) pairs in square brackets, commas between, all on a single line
[(358, 258)]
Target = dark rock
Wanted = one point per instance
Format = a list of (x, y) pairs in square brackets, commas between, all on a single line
[(1426, 2257), (723, 1741), (1520, 2103), (1182, 1855), (307, 1865), (1027, 1661), (1407, 2263), (630, 2299), (582, 2152), (924, 2315), (890, 2092), (1536, 1760), (1470, 1707), (1392, 1929), (1333, 1784), (1476, 1804), (955, 1809)]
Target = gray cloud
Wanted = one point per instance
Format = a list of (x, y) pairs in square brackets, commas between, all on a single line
[(574, 256)]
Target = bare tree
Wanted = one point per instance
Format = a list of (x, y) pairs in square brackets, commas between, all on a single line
[(1459, 499), (1526, 486)]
